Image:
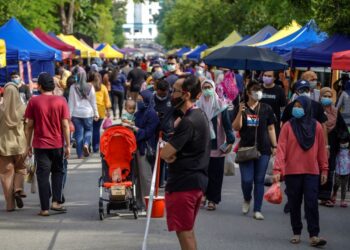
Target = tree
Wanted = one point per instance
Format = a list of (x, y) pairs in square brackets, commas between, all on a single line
[(66, 11)]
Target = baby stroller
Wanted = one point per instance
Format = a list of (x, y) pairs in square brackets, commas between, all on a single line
[(118, 147)]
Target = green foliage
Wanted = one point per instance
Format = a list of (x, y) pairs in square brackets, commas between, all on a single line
[(119, 17)]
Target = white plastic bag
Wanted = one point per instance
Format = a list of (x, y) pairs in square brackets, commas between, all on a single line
[(229, 168), (269, 172)]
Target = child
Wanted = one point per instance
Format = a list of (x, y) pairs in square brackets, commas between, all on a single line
[(342, 171), (128, 117)]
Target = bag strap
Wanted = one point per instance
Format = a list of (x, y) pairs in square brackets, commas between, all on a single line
[(256, 128)]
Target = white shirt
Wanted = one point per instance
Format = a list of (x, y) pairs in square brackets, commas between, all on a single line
[(82, 108)]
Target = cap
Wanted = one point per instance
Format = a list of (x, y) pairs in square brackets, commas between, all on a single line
[(301, 84), (157, 75)]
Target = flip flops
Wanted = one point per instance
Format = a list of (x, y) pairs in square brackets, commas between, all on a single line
[(211, 206), (61, 209), (295, 239), (18, 199), (317, 242), (343, 204), (44, 213)]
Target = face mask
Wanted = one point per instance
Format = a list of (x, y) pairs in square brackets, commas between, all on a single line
[(171, 67), (325, 101), (16, 81), (313, 84), (161, 98), (177, 102), (257, 95), (268, 80), (308, 95), (298, 112), (344, 145), (141, 105), (208, 92)]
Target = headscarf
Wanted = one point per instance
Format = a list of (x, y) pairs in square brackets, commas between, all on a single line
[(304, 128), (347, 87), (82, 86), (331, 111), (12, 109), (212, 107), (148, 99)]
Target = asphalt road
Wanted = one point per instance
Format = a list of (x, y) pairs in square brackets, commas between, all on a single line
[(225, 228)]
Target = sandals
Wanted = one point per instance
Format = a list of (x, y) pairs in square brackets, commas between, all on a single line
[(44, 213), (317, 242), (18, 199), (327, 203), (295, 239), (343, 204), (61, 209), (211, 206)]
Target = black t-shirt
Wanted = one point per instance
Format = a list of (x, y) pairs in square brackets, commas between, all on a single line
[(165, 112), (136, 78), (192, 143), (317, 112), (276, 98), (250, 120)]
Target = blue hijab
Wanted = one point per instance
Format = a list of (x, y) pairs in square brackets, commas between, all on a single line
[(304, 128)]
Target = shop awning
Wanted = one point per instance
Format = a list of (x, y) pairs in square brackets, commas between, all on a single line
[(262, 35), (232, 39), (85, 50), (2, 54), (341, 60), (109, 52)]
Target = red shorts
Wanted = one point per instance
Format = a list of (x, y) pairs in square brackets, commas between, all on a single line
[(182, 209)]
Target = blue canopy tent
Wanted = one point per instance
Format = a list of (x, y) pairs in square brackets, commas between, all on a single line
[(260, 36), (182, 51), (195, 54), (305, 37), (320, 55), (101, 46), (23, 46)]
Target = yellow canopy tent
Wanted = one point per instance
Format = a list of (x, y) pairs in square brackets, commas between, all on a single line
[(171, 52), (233, 38), (109, 52), (286, 31), (85, 50), (2, 54)]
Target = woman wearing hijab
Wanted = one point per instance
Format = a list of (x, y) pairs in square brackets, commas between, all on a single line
[(12, 147), (336, 129), (222, 139), (146, 123), (301, 158), (344, 103), (83, 110)]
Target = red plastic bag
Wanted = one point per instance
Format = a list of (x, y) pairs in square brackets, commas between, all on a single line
[(274, 194), (107, 123)]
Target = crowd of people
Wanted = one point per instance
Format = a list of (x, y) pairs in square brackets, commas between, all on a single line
[(200, 113)]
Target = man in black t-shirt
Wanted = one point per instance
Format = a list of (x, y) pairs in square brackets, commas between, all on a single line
[(187, 153), (136, 78), (273, 95)]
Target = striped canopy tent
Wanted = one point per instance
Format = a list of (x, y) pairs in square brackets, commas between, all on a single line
[(2, 53), (85, 50), (286, 31), (232, 39), (108, 52), (261, 35)]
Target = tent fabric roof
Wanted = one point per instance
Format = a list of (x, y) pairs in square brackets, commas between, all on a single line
[(22, 45), (182, 51), (2, 53), (261, 35), (85, 50), (230, 40), (195, 54), (320, 55), (306, 37), (55, 43), (341, 60), (286, 31), (100, 46), (109, 52)]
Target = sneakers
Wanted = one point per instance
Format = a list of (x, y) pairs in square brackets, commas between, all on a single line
[(245, 207), (86, 151), (258, 216)]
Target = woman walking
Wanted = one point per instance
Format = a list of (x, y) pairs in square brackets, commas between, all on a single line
[(12, 147), (103, 105), (255, 123), (222, 139), (301, 158), (118, 81), (83, 110)]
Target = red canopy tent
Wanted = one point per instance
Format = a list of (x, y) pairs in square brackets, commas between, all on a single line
[(67, 50), (341, 60)]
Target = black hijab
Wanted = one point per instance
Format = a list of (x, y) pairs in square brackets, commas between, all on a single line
[(304, 128)]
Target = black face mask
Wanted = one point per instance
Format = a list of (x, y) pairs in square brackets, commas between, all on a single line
[(177, 102)]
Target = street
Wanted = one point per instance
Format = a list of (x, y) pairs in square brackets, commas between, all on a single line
[(225, 228)]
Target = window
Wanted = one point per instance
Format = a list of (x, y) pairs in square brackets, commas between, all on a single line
[(150, 20), (127, 30), (150, 30), (150, 11)]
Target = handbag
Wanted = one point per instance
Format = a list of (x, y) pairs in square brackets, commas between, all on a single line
[(249, 153)]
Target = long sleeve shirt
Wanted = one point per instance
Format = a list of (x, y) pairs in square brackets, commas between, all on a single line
[(292, 159), (81, 107), (103, 102)]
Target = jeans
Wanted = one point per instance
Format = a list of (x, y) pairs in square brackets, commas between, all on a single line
[(119, 95), (253, 172), (305, 186), (83, 133), (96, 135), (49, 161)]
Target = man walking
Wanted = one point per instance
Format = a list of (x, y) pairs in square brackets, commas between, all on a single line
[(48, 117), (187, 153), (136, 78)]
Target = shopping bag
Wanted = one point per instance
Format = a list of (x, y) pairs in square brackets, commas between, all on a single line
[(269, 173), (274, 194), (229, 168), (107, 123), (31, 168)]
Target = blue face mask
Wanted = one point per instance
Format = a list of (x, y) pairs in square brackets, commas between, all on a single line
[(141, 105), (298, 112), (16, 81), (325, 101), (208, 92)]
